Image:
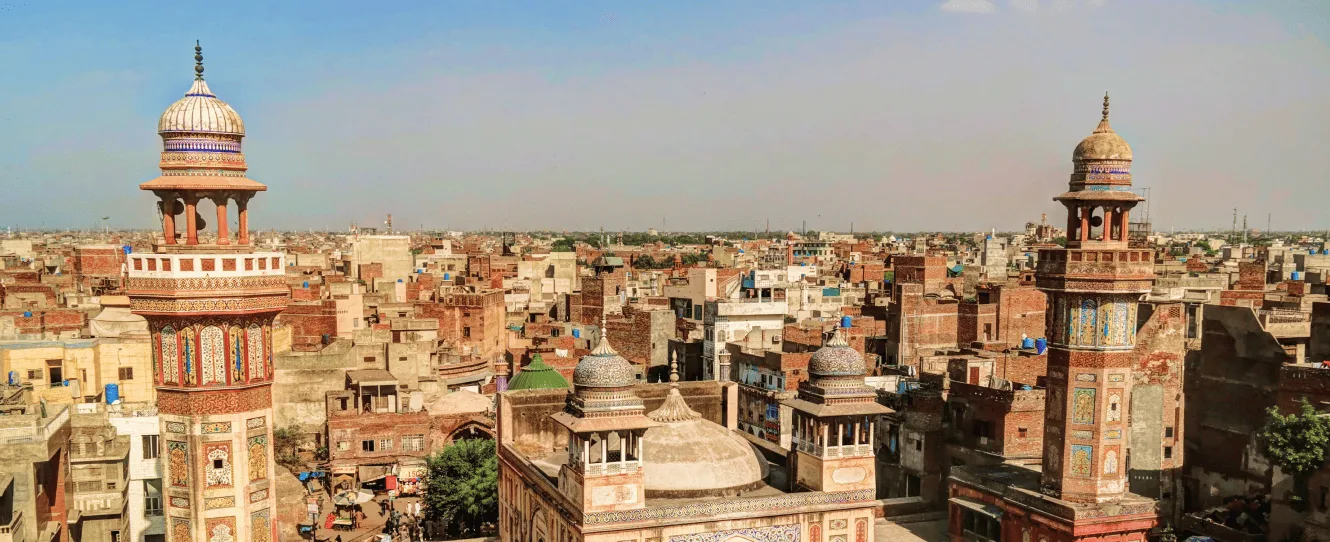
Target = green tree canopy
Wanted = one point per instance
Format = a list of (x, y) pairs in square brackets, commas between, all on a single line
[(1296, 442), (563, 245), (461, 487)]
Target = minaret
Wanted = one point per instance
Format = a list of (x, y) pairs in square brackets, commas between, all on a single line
[(834, 418), (210, 308), (1093, 288), (605, 421)]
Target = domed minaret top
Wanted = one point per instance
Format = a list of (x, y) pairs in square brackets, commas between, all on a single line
[(1099, 196), (201, 142), (202, 159), (1103, 143)]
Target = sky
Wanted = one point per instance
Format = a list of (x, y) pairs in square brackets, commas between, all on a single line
[(950, 115)]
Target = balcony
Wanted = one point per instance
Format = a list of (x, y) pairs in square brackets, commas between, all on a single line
[(14, 529), (180, 266), (1057, 267)]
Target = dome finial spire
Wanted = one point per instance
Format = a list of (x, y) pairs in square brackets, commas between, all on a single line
[(198, 61), (674, 369), (1105, 105)]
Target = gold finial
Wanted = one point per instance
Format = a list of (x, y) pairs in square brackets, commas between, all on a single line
[(198, 61), (1105, 105)]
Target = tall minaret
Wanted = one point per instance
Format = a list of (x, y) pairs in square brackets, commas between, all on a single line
[(210, 308), (1093, 287)]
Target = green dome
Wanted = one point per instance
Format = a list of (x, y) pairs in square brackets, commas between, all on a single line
[(537, 376)]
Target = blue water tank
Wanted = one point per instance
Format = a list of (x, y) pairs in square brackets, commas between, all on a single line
[(447, 276), (13, 378), (27, 314), (846, 321), (112, 393), (1040, 345), (305, 284), (129, 249), (1296, 275), (399, 280), (577, 333), (1027, 343)]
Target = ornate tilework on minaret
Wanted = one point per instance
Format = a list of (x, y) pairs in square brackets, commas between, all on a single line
[(210, 304), (1093, 286)]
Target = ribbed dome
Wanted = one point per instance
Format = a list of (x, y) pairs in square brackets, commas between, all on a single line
[(836, 358), (200, 111), (688, 456), (603, 368), (1103, 143), (537, 375)]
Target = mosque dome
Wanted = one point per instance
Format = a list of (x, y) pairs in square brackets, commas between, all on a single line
[(1103, 143), (603, 368), (200, 111), (537, 375), (836, 358), (688, 456)]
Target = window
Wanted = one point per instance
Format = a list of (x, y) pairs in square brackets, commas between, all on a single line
[(115, 536), (126, 373), (401, 358), (912, 486), (150, 446), (982, 527), (1168, 432), (1168, 452), (34, 374), (369, 359), (367, 445), (342, 402), (385, 444), (343, 445), (466, 332), (219, 464), (110, 486), (413, 443), (152, 497), (982, 429), (919, 445), (697, 312), (55, 372), (1020, 432)]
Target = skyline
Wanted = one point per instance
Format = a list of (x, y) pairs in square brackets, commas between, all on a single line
[(714, 118)]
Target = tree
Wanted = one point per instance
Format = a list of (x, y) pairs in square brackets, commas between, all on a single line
[(563, 245), (285, 445), (1297, 443), (462, 487)]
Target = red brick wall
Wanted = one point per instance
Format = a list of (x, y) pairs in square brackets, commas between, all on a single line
[(370, 271), (309, 321)]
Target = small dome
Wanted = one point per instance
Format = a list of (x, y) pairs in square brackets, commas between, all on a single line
[(1103, 143), (603, 368), (200, 111), (836, 358), (688, 456), (537, 375)]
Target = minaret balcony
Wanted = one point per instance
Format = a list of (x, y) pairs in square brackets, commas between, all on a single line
[(1057, 268)]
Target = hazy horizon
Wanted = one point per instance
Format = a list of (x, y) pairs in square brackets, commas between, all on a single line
[(683, 116)]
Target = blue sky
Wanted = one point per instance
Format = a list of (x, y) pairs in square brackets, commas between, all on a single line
[(954, 115)]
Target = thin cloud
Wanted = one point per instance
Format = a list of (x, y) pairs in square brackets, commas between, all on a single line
[(1029, 6), (969, 6)]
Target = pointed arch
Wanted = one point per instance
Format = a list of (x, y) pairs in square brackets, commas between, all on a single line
[(189, 348), (212, 355), (236, 345), (169, 355), (255, 352)]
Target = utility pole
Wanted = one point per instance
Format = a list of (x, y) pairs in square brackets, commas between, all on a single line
[(1244, 229)]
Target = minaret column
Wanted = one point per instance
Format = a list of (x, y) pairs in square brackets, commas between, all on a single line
[(167, 206), (191, 225), (223, 233), (242, 205), (1085, 224)]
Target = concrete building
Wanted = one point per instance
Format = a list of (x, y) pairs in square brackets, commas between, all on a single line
[(380, 259), (34, 467), (99, 472)]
